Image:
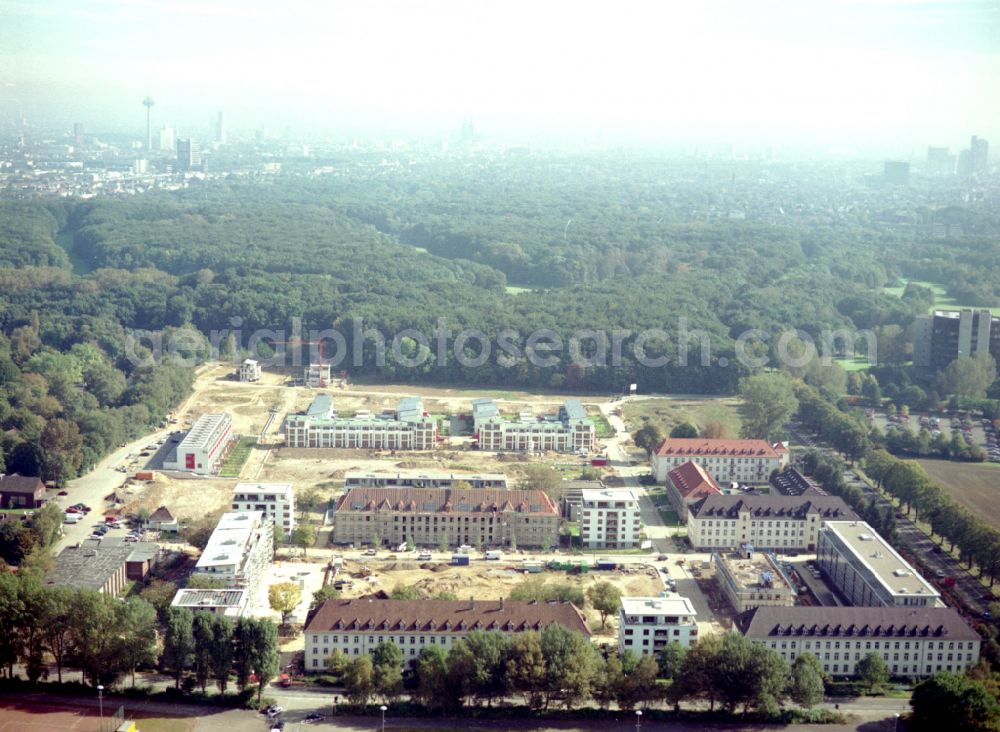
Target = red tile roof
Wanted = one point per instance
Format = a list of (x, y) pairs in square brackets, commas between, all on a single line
[(704, 447), (452, 616), (693, 482), (446, 500)]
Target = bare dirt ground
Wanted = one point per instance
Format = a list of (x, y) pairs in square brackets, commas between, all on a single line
[(490, 581), (186, 498), (974, 485)]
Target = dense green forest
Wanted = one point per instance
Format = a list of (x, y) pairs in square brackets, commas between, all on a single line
[(593, 242)]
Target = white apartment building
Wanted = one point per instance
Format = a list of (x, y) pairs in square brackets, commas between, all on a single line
[(569, 431), (913, 641), (316, 375), (771, 523), (355, 627), (276, 500), (205, 446), (647, 625), (239, 550), (609, 518), (249, 370), (739, 461), (407, 427), (867, 570)]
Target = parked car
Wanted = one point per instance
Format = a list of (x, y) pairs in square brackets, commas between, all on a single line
[(63, 493)]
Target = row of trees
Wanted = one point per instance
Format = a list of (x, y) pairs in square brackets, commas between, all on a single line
[(101, 636), (213, 647), (557, 666), (978, 542), (107, 638)]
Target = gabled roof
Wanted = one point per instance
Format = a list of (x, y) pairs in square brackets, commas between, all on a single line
[(435, 500), (452, 616), (693, 482), (21, 484), (826, 507), (857, 622), (705, 447), (161, 515)]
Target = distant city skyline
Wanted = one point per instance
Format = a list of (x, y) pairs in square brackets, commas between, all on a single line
[(876, 75)]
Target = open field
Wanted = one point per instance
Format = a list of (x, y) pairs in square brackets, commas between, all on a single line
[(974, 485), (942, 300), (857, 363), (667, 412), (493, 580), (189, 498)]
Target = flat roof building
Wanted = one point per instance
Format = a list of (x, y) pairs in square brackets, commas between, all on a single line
[(276, 500), (571, 430), (940, 338), (912, 641), (356, 627), (408, 427), (752, 579), (104, 565), (205, 446), (239, 550), (867, 570), (230, 603), (739, 461), (249, 370), (647, 625), (609, 518)]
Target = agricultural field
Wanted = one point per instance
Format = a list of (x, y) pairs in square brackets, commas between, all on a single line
[(667, 412), (974, 485)]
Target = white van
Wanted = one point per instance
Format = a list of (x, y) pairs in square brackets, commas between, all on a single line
[(494, 554)]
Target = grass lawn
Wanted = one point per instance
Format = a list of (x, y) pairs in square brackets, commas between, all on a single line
[(669, 516), (602, 426), (515, 290), (234, 461), (858, 363), (666, 413), (941, 298)]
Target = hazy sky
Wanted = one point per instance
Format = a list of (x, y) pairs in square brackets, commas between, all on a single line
[(836, 72)]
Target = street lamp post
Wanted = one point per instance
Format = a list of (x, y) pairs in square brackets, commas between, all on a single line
[(383, 708), (638, 720), (895, 726), (100, 704)]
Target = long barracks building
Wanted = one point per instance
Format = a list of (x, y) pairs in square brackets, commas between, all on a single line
[(430, 516), (356, 627)]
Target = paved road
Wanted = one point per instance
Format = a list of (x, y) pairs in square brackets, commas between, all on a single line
[(103, 480), (866, 713), (967, 588)]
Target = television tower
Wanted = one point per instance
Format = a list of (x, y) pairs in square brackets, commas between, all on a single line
[(148, 104)]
